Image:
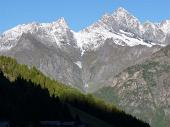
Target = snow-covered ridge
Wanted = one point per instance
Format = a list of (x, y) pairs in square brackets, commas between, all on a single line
[(53, 30), (34, 27), (125, 30), (121, 26)]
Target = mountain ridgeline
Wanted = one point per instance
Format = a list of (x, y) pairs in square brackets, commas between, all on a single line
[(26, 94)]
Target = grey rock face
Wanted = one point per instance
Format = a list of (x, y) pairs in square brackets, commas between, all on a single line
[(101, 65), (143, 90), (54, 62)]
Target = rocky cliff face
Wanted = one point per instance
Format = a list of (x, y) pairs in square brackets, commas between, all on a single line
[(87, 59), (144, 89), (101, 65), (52, 61)]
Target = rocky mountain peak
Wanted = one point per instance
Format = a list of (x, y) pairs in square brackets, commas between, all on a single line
[(126, 21), (121, 12), (61, 23), (165, 26)]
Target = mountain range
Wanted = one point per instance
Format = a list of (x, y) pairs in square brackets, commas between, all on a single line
[(91, 59), (87, 58)]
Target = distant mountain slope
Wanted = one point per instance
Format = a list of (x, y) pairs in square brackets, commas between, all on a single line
[(143, 89), (26, 94), (113, 43)]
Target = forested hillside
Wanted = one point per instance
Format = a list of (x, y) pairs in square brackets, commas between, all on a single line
[(26, 94)]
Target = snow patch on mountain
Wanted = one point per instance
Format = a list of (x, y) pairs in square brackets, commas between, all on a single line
[(86, 86), (95, 38), (4, 48), (79, 64)]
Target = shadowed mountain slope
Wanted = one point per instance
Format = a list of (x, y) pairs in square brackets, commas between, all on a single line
[(26, 94)]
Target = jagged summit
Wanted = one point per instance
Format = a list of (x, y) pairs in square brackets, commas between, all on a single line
[(165, 25), (123, 17), (120, 11), (61, 22)]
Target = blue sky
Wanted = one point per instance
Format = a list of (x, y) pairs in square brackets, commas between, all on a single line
[(78, 13)]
